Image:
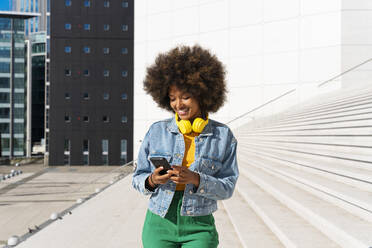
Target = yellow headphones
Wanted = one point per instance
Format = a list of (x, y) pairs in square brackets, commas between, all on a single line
[(197, 125)]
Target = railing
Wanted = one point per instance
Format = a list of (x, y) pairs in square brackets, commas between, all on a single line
[(290, 92)]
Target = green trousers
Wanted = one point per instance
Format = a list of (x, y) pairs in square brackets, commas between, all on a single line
[(175, 231)]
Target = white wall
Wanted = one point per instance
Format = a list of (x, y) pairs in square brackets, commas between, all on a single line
[(268, 47), (356, 41)]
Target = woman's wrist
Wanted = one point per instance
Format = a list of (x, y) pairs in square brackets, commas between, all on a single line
[(151, 182), (196, 180)]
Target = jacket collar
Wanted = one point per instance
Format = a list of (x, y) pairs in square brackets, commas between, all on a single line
[(173, 128)]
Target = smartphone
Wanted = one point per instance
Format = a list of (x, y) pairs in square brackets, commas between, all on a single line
[(160, 161)]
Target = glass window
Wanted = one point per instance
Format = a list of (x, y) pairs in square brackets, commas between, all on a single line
[(106, 4), (4, 112), (106, 96), (67, 72), (105, 118), (68, 26), (106, 27), (86, 49), (67, 118), (106, 73), (124, 96), (124, 50), (124, 4), (106, 50), (124, 73), (123, 151), (86, 26), (86, 95), (67, 49), (67, 95), (86, 72), (86, 118), (87, 3), (85, 145), (4, 97), (124, 27), (68, 3), (105, 145), (124, 119)]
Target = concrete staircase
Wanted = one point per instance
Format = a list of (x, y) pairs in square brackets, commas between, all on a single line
[(307, 172), (305, 181)]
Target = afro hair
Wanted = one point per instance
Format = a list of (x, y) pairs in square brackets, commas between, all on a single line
[(191, 69)]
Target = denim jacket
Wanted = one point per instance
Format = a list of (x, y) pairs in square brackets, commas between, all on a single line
[(215, 161)]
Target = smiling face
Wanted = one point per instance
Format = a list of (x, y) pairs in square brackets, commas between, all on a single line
[(186, 106)]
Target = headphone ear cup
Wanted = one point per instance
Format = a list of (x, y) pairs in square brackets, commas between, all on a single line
[(184, 126), (199, 124)]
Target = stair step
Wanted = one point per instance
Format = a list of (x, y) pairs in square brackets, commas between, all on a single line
[(250, 228), (349, 152), (291, 229), (228, 236), (352, 199), (339, 225), (339, 170)]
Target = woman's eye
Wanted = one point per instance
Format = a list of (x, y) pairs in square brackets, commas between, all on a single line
[(186, 97)]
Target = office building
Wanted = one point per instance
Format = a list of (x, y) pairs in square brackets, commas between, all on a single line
[(89, 86), (13, 83)]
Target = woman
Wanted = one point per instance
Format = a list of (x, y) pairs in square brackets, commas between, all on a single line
[(190, 82)]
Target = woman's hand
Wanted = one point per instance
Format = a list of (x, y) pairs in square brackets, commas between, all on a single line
[(155, 178), (182, 174)]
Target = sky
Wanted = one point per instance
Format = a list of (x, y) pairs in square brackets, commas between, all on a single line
[(5, 4)]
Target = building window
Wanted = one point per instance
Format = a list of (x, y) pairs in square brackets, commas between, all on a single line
[(86, 73), (124, 27), (67, 49), (68, 3), (106, 50), (123, 151), (86, 152), (68, 72), (124, 119), (105, 146), (67, 118), (106, 27), (106, 4), (106, 73), (86, 3), (106, 96), (86, 26), (124, 50), (66, 152), (124, 73), (67, 26), (86, 118), (105, 118), (124, 96), (86, 96), (67, 95), (124, 4), (86, 49)]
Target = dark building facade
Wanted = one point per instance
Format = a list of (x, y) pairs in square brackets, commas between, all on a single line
[(89, 112)]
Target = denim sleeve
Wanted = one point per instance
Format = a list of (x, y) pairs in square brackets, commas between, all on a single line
[(144, 168), (221, 186)]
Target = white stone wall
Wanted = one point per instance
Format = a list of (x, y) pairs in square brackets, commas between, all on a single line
[(268, 46), (356, 41)]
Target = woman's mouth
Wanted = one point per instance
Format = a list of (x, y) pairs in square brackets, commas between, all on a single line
[(182, 112)]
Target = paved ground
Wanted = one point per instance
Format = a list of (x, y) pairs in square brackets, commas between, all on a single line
[(29, 199)]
